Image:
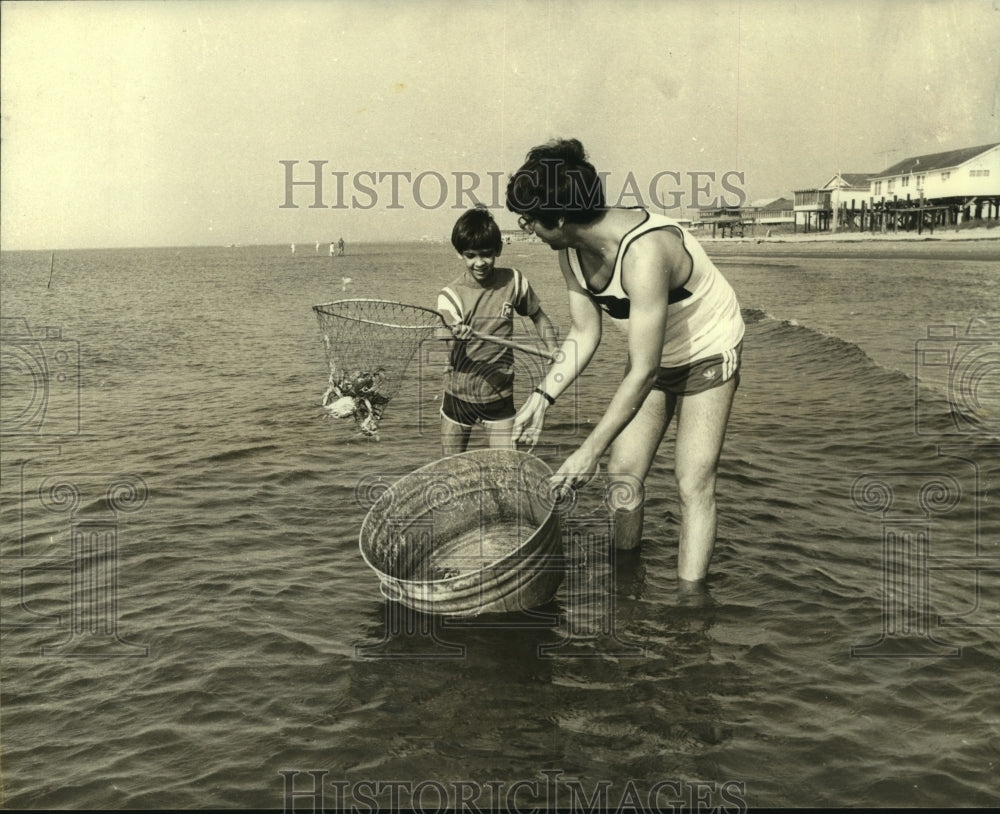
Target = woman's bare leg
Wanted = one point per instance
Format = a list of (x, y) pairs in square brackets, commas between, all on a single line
[(631, 457), (701, 430)]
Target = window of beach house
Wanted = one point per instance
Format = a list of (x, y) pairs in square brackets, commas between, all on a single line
[(905, 181), (891, 185), (945, 176), (920, 181), (878, 187)]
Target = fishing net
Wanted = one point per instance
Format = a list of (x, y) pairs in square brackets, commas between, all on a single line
[(369, 344)]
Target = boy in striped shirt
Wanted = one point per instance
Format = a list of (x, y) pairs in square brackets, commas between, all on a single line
[(479, 388)]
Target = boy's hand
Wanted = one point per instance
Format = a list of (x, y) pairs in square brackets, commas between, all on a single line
[(461, 331)]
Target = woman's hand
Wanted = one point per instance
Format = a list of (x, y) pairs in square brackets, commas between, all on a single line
[(577, 470), (529, 420)]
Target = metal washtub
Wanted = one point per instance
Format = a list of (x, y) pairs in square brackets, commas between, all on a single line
[(468, 534)]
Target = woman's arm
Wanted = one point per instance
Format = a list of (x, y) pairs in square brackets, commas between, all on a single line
[(650, 265), (545, 329), (571, 359)]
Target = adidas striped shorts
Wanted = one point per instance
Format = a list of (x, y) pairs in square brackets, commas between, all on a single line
[(702, 375)]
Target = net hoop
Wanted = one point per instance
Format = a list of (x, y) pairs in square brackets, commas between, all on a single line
[(369, 344), (343, 308)]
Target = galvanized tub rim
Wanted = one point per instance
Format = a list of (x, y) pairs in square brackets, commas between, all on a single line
[(508, 567)]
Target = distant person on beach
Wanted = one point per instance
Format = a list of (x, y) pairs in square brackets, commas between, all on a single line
[(340, 247), (479, 386), (684, 331)]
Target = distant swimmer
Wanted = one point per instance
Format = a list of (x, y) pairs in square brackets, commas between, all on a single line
[(340, 247), (333, 249), (345, 283), (293, 248)]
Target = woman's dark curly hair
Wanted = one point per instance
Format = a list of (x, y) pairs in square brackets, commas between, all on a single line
[(557, 181)]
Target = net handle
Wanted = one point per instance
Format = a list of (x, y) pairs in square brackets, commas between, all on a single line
[(510, 343), (507, 343)]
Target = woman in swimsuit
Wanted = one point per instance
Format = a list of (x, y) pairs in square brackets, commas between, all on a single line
[(684, 333)]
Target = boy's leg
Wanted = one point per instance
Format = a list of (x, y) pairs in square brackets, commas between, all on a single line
[(632, 454), (701, 430), (454, 436), (500, 434)]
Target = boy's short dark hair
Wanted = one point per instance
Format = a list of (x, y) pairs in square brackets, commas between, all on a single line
[(557, 181), (476, 229)]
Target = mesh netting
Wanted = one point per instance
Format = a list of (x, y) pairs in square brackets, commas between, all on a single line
[(369, 344)]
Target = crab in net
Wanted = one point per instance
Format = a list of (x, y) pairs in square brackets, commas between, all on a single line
[(358, 394)]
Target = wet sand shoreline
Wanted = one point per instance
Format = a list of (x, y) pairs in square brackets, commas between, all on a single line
[(969, 244)]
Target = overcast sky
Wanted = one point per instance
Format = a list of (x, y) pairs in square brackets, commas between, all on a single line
[(165, 123)]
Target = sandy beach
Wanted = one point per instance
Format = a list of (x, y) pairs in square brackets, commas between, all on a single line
[(975, 243)]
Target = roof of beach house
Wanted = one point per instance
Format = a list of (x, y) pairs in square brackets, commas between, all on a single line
[(854, 179), (934, 161), (771, 204)]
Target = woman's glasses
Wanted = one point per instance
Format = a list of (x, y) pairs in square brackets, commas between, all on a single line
[(527, 224)]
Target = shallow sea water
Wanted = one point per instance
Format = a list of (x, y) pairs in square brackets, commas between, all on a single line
[(845, 654)]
